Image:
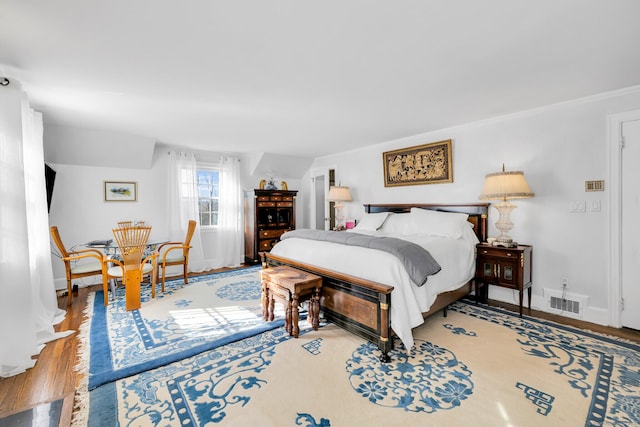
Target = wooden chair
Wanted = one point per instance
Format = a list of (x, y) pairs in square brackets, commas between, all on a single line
[(132, 242), (92, 266), (177, 253)]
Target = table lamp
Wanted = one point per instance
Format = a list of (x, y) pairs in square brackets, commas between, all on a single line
[(505, 185), (338, 194)]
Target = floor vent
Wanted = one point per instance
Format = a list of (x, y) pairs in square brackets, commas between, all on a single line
[(565, 305)]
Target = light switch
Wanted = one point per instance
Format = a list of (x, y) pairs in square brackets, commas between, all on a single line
[(595, 206), (578, 206)]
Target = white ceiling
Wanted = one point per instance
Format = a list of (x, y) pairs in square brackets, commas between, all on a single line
[(309, 78)]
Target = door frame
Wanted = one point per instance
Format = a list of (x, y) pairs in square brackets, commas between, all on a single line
[(327, 210), (615, 122)]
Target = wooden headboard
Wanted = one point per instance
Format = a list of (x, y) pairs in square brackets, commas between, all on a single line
[(477, 212)]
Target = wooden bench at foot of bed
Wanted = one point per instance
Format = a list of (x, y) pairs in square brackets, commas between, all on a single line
[(357, 305)]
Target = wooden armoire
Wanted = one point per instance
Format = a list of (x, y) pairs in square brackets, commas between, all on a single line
[(267, 215)]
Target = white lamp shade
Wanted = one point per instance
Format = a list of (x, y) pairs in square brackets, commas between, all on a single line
[(506, 185), (339, 194), (503, 186)]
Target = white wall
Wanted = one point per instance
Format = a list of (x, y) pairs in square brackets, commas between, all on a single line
[(90, 147), (558, 148)]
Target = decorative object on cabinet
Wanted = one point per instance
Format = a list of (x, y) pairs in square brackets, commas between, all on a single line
[(506, 267), (271, 185), (422, 164), (120, 191), (505, 185), (263, 183), (267, 215), (338, 195), (285, 187)]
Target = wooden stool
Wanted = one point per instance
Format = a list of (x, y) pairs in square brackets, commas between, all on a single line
[(292, 287)]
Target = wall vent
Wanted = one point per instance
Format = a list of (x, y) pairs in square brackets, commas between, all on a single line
[(565, 305)]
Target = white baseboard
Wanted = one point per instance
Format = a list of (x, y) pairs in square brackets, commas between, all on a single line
[(590, 314)]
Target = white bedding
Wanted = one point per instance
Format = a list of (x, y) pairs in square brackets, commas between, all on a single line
[(408, 301)]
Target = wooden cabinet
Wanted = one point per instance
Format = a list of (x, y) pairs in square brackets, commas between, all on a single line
[(506, 267), (267, 215)]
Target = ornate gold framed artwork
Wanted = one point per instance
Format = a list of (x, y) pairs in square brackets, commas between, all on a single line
[(422, 164)]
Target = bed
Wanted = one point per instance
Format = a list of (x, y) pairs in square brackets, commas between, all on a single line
[(358, 282)]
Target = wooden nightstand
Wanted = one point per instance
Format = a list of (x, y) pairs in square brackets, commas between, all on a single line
[(506, 267)]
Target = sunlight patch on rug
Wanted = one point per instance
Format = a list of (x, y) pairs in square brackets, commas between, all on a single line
[(210, 311)]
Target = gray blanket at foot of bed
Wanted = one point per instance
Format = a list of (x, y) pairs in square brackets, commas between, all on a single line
[(417, 260)]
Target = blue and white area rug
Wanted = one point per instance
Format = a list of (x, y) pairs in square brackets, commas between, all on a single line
[(478, 366), (210, 311)]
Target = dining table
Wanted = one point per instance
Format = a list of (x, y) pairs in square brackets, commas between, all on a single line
[(112, 251)]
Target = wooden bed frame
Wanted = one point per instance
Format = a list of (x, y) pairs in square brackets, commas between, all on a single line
[(362, 306)]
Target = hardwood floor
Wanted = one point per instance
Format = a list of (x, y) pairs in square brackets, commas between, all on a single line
[(53, 377), (624, 333)]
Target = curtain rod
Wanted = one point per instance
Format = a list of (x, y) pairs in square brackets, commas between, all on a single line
[(193, 154)]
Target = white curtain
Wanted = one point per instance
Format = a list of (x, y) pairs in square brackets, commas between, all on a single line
[(183, 205), (229, 243), (211, 248), (28, 304)]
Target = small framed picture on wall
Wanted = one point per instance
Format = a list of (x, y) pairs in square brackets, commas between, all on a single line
[(120, 191)]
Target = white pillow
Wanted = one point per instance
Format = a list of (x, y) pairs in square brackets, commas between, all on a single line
[(437, 223), (469, 235), (371, 222), (396, 223)]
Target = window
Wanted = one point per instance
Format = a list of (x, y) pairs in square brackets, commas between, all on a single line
[(208, 195)]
